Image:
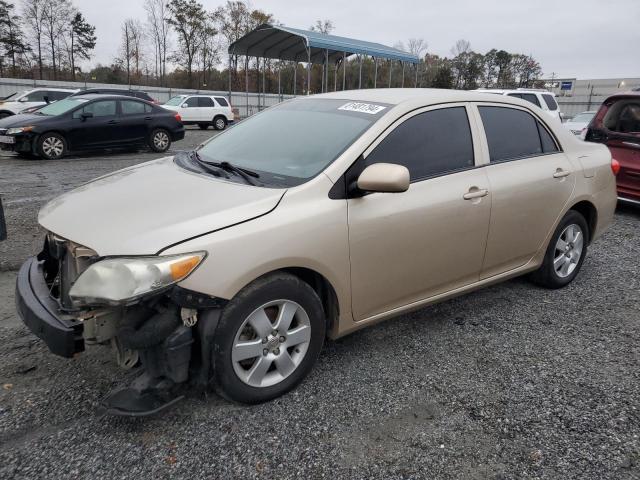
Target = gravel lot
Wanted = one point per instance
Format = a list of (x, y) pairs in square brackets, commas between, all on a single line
[(509, 382)]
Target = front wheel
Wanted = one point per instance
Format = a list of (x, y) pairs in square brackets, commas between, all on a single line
[(565, 253), (159, 141), (268, 339), (52, 146)]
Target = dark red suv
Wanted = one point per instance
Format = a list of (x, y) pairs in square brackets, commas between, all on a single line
[(617, 124)]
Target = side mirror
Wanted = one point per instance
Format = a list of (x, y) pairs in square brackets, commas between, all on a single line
[(85, 115), (46, 99), (184, 105), (384, 177)]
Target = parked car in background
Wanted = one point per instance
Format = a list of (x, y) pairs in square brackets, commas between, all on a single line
[(229, 265), (617, 125), (89, 122), (202, 110), (579, 123), (118, 91), (541, 98), (16, 102)]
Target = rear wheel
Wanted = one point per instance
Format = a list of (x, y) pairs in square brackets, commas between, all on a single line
[(219, 123), (268, 339), (565, 253), (160, 140), (52, 146)]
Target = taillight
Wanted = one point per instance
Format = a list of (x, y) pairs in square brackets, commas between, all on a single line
[(178, 117), (615, 166)]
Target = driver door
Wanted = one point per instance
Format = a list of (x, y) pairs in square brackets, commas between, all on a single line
[(406, 247)]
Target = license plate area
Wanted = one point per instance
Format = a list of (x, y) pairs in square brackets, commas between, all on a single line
[(7, 139)]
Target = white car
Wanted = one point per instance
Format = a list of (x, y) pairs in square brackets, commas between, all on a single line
[(539, 97), (202, 110), (19, 101), (578, 123)]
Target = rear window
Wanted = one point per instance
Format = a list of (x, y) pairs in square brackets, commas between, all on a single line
[(222, 101), (531, 97), (205, 102), (623, 116), (513, 134), (550, 101)]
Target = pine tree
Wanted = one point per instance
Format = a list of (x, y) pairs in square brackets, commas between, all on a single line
[(83, 40), (11, 36)]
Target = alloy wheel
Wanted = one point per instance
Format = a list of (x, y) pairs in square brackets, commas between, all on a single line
[(161, 140), (271, 343), (52, 146), (568, 250), (219, 124)]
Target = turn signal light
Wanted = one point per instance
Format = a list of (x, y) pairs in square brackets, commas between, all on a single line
[(615, 166), (178, 117)]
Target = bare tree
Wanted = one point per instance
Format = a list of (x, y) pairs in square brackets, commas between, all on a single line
[(33, 13), (322, 26), (417, 47), (131, 47), (56, 14), (189, 20), (159, 29)]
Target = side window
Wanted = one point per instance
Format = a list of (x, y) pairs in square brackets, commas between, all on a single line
[(428, 144), (517, 95), (222, 101), (55, 96), (531, 97), (513, 134), (205, 102), (37, 96), (550, 101), (191, 102), (105, 108), (131, 107), (148, 108)]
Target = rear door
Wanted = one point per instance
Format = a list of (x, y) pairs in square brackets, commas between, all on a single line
[(135, 119), (207, 108), (530, 180)]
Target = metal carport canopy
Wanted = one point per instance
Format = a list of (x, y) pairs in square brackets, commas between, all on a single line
[(286, 43)]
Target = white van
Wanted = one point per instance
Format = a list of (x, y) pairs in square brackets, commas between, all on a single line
[(202, 110), (538, 96)]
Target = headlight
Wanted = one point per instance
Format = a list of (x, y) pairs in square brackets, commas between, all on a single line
[(118, 280), (16, 130)]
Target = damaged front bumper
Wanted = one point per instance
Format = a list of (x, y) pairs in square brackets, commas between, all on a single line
[(173, 348), (62, 333)]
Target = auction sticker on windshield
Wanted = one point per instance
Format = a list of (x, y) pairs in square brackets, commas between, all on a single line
[(362, 107)]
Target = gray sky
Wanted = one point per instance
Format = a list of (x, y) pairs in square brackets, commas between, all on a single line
[(583, 39)]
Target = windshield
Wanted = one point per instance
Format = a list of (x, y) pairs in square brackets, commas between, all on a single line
[(175, 101), (294, 141), (61, 106), (584, 117)]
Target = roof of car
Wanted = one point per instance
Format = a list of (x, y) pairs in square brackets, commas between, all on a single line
[(102, 96), (426, 96), (93, 90), (53, 89)]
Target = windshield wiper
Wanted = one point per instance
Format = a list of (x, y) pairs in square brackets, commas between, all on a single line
[(206, 166)]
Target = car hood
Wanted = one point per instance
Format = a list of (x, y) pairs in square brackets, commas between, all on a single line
[(22, 119), (143, 209), (575, 125)]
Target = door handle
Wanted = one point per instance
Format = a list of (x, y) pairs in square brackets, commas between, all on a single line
[(112, 122), (475, 193), (148, 118), (560, 173)]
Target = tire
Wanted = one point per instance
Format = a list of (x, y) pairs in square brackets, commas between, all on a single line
[(51, 146), (219, 122), (565, 254), (276, 360), (159, 140), (203, 126)]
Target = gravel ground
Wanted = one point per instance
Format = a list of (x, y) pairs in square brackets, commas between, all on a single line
[(509, 382)]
